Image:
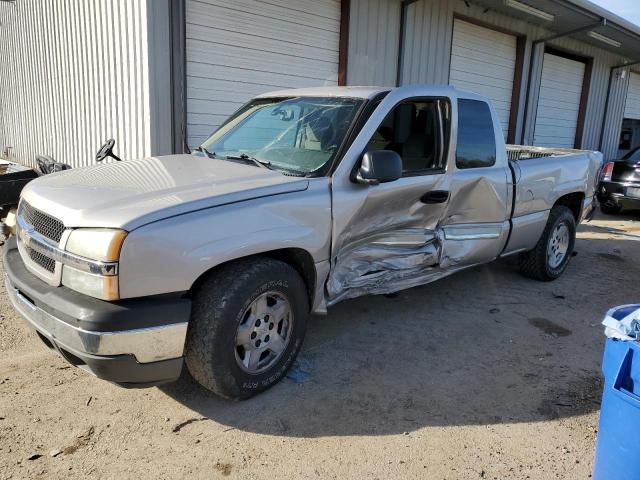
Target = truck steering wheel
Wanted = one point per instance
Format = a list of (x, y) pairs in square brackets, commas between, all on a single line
[(106, 150)]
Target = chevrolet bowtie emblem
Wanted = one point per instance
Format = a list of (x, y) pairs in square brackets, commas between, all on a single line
[(25, 235)]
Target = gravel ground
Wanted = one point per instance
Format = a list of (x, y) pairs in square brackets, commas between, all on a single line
[(484, 374)]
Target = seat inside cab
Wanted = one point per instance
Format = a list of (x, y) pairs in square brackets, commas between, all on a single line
[(410, 130)]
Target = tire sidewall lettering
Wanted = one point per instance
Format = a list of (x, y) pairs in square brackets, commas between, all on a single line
[(283, 287), (277, 375)]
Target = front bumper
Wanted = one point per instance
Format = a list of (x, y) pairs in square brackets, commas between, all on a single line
[(615, 194), (136, 342)]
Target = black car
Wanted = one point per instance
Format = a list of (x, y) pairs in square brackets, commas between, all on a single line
[(13, 177), (619, 185)]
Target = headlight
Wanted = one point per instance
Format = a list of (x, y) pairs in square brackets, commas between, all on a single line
[(98, 245), (101, 244)]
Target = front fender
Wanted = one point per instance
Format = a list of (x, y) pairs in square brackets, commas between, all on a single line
[(169, 255)]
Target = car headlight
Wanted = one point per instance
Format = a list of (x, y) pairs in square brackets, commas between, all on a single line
[(98, 246)]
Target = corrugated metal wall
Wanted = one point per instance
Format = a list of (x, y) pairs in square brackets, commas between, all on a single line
[(427, 54), (559, 102), (427, 42), (373, 42), (75, 73), (484, 61), (602, 61), (238, 49), (615, 112)]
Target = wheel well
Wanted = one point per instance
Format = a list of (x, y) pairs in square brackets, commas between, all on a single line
[(302, 261), (573, 201), (297, 258)]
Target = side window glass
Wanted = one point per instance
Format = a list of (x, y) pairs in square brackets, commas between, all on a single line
[(476, 137), (411, 130)]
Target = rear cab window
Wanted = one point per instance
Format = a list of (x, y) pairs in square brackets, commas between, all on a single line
[(476, 147)]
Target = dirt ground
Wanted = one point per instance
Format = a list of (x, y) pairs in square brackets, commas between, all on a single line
[(485, 374)]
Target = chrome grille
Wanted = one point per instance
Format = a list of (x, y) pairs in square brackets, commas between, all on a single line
[(44, 224), (38, 258)]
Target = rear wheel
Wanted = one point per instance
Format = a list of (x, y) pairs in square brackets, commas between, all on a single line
[(247, 326), (551, 254), (610, 209)]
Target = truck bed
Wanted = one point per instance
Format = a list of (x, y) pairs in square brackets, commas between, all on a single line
[(557, 172), (525, 152)]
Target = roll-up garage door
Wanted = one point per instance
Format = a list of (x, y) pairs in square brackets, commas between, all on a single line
[(558, 102), (632, 106), (238, 49), (484, 61)]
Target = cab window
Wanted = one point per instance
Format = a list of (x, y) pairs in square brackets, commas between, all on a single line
[(414, 130), (476, 145)]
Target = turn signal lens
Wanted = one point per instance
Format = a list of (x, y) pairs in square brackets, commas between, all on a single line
[(98, 286)]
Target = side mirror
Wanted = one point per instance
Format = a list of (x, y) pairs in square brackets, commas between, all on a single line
[(379, 166)]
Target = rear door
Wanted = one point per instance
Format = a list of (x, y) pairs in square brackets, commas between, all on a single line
[(475, 224)]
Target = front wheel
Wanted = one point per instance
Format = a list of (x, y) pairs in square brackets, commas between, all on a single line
[(551, 254), (247, 325)]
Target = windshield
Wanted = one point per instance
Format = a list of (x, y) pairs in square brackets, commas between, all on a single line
[(300, 134)]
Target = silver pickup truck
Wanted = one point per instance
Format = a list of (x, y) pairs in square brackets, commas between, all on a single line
[(301, 199)]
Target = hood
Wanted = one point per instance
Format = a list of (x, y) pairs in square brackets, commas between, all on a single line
[(133, 193)]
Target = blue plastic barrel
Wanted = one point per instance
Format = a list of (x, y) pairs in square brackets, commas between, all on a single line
[(618, 444)]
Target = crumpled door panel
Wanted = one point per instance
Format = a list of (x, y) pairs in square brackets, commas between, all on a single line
[(383, 263), (390, 241)]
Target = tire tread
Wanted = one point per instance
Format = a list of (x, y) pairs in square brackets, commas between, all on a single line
[(209, 319), (533, 264)]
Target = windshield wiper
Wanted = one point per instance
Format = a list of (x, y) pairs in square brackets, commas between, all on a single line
[(266, 164), (247, 158), (205, 151)]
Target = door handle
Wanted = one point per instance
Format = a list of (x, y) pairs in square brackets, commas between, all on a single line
[(435, 196)]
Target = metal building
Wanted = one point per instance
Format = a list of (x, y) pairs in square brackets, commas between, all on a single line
[(160, 75)]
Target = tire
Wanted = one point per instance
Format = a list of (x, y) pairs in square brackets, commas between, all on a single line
[(537, 263), (610, 209), (225, 310)]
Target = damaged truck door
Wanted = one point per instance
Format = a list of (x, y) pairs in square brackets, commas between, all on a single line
[(431, 221)]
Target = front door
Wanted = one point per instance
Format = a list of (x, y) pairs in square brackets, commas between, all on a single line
[(390, 240)]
